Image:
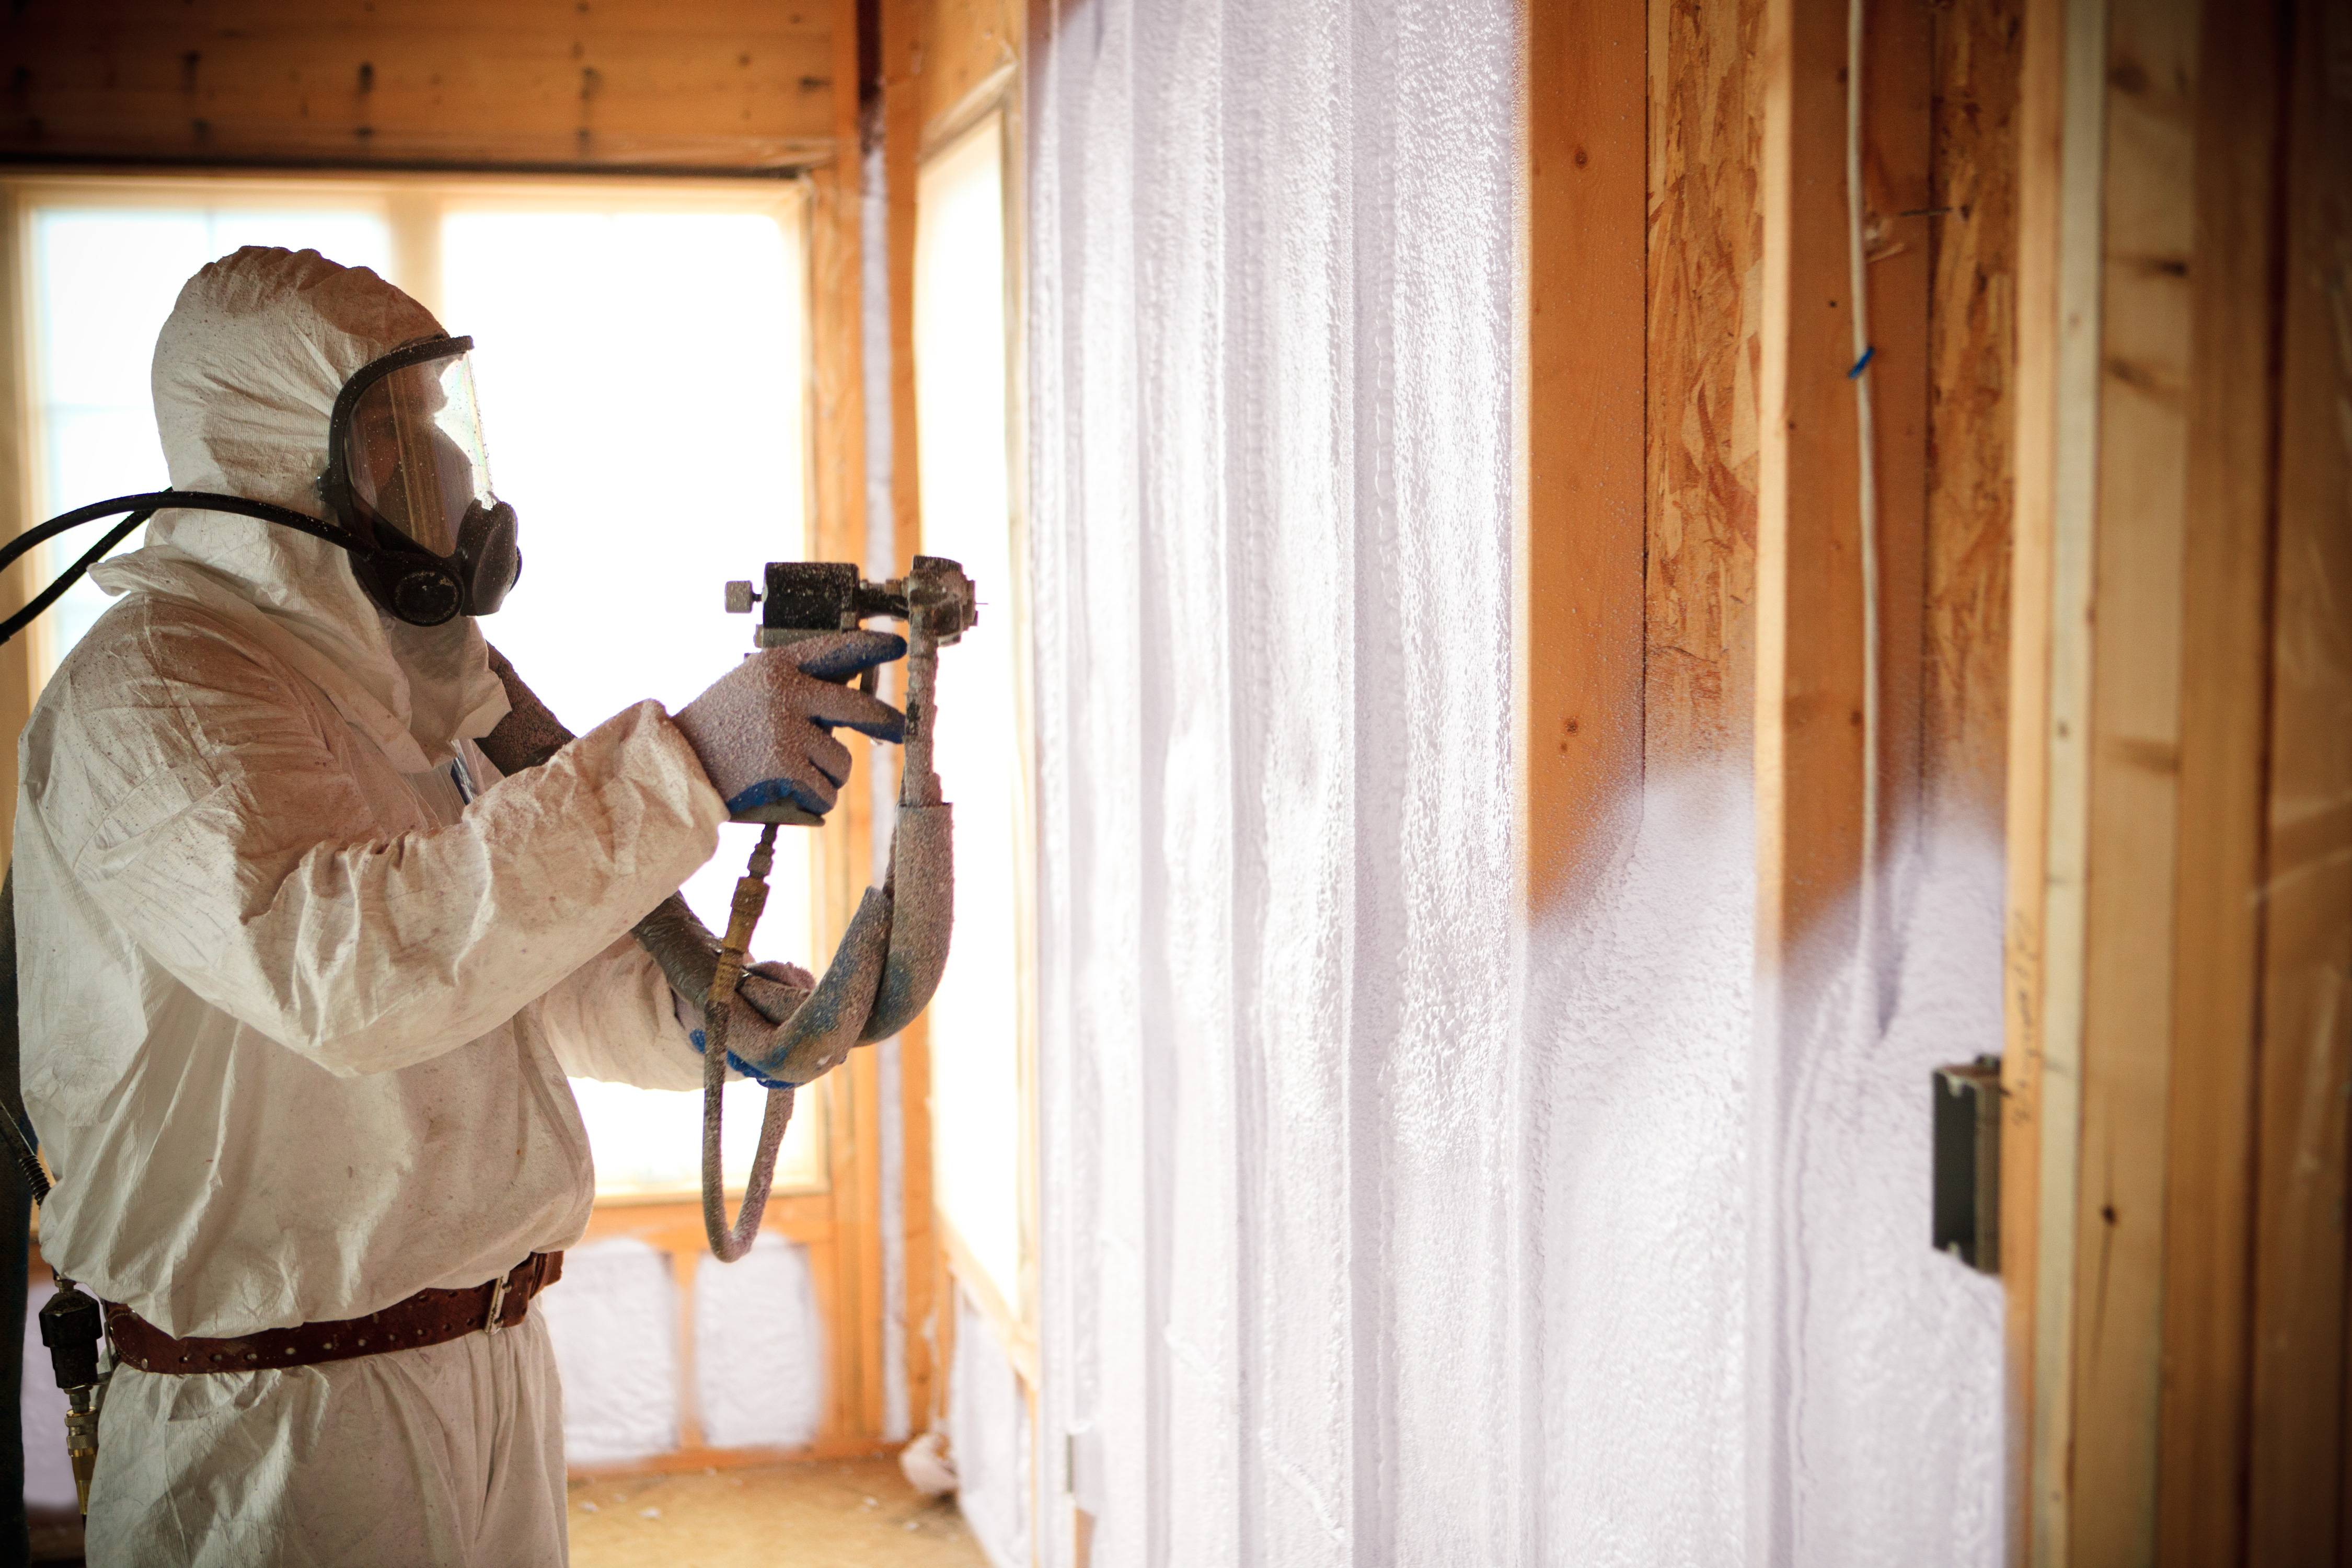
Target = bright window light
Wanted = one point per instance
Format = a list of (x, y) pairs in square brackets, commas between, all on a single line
[(641, 378), (960, 412), (640, 361), (104, 277)]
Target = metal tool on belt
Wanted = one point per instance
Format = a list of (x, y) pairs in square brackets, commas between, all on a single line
[(72, 1322)]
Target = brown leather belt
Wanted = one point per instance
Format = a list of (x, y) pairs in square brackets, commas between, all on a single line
[(427, 1318)]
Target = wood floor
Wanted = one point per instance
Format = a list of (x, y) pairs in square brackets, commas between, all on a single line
[(827, 1513)]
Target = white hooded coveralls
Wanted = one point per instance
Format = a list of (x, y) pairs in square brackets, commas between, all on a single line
[(295, 1018)]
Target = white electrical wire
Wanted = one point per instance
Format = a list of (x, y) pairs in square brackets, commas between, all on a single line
[(1857, 263)]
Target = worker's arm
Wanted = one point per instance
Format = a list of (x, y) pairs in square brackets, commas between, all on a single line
[(617, 1018), (192, 784), (614, 1018), (634, 1013)]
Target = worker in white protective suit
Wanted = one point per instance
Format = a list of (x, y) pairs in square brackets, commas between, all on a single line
[(303, 977)]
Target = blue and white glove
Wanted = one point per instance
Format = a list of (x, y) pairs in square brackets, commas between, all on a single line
[(763, 731), (768, 994)]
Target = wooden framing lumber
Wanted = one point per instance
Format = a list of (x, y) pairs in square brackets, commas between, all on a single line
[(2027, 800), (1811, 738), (2297, 1464), (1581, 449), (1809, 655), (737, 85), (2228, 507), (2136, 524), (2181, 517), (2060, 248), (968, 52)]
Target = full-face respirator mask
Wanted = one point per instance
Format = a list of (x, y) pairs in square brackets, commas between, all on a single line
[(406, 491)]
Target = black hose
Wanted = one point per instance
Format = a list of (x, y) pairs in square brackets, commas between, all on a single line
[(158, 501), (142, 506), (71, 574)]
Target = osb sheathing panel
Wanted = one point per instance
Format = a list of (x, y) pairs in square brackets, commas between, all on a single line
[(1705, 247), (1704, 256), (722, 85), (1972, 347)]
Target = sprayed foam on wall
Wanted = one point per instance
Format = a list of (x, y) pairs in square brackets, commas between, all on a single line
[(1639, 1022), (614, 1322), (759, 1365), (1378, 1229), (989, 1439), (1888, 1402), (1271, 433), (1881, 1410)]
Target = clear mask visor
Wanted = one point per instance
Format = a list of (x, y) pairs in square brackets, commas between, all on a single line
[(413, 450)]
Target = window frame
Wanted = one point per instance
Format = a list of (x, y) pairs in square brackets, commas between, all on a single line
[(1014, 1321)]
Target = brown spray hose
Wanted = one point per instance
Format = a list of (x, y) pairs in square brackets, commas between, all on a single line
[(888, 960), (919, 786), (728, 1242)]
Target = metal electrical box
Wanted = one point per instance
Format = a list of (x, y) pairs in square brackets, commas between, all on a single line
[(1967, 1163)]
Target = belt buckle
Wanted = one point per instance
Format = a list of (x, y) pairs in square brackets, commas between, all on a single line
[(497, 1304)]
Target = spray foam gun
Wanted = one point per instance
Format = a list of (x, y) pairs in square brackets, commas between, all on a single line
[(889, 960)]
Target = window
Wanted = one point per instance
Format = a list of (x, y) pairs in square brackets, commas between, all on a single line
[(640, 376), (639, 355), (105, 271), (979, 1021)]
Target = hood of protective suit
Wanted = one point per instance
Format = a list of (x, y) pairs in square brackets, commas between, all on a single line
[(247, 371)]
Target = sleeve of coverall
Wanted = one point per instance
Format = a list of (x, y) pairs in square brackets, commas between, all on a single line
[(226, 836), (614, 1018)]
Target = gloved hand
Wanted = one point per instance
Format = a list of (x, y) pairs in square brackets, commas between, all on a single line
[(763, 731), (768, 994)]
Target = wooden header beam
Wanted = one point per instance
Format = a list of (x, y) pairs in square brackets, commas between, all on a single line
[(724, 86)]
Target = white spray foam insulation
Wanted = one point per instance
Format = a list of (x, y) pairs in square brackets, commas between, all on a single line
[(1639, 1010), (1271, 352), (1377, 1228), (988, 1440), (759, 1362), (1889, 1353), (613, 1320)]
